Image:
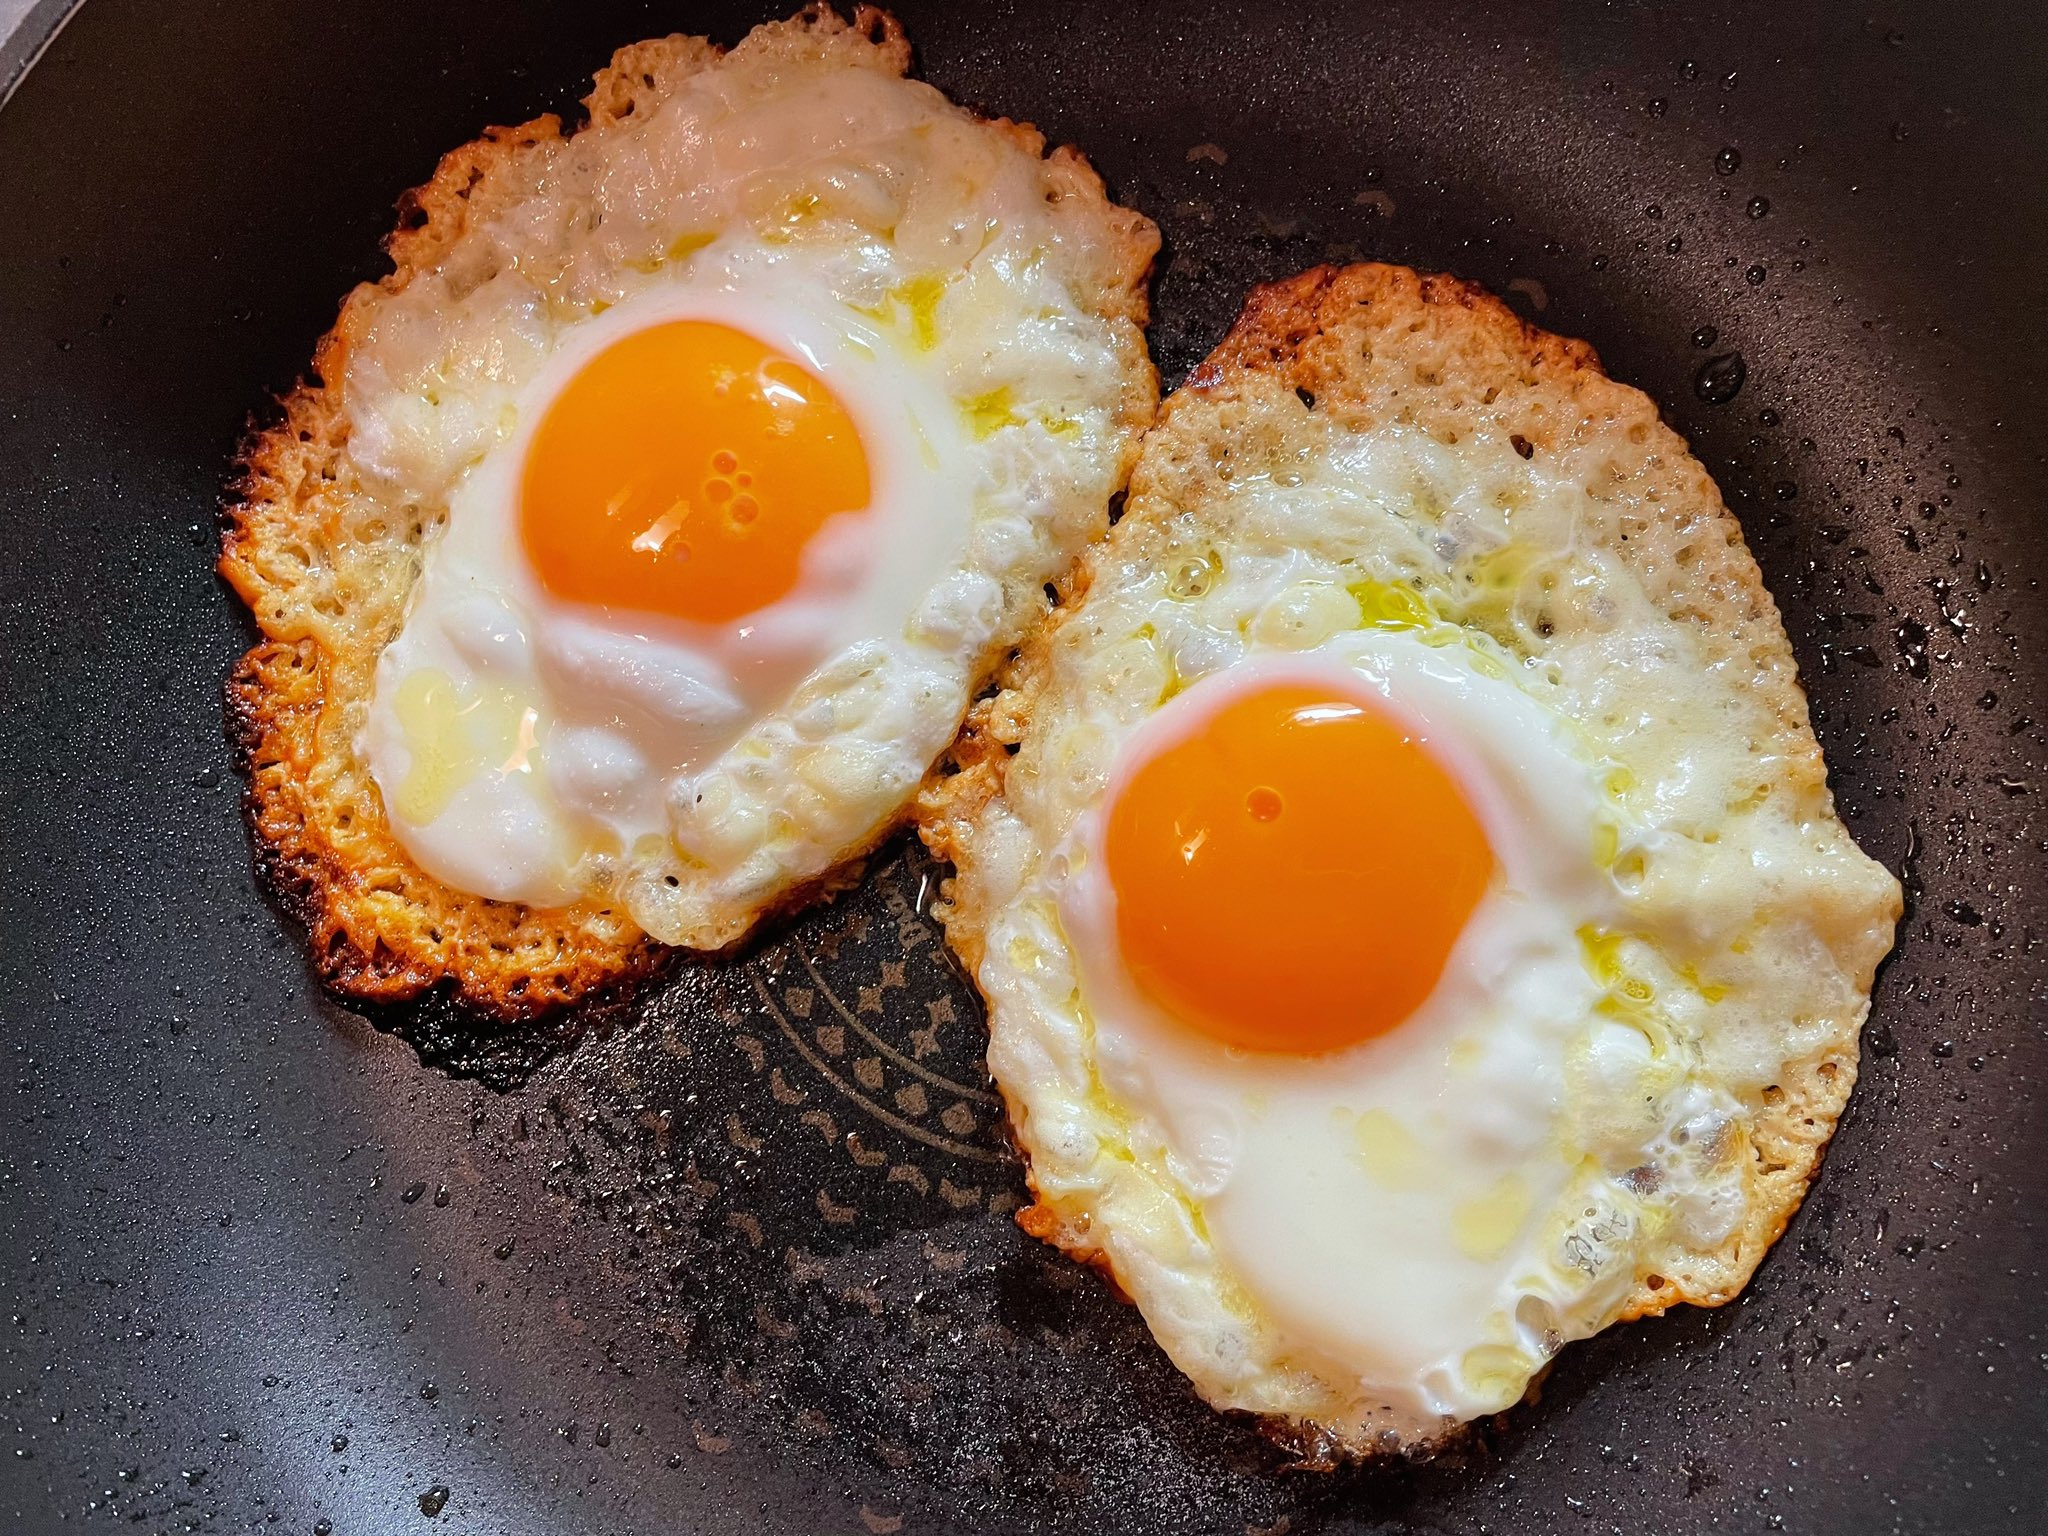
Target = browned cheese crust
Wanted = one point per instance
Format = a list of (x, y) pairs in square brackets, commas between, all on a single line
[(1380, 345), (381, 929)]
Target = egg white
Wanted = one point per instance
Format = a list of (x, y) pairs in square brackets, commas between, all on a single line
[(620, 708), (1422, 1216)]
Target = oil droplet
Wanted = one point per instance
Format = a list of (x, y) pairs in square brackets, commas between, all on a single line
[(1192, 579), (1264, 804), (1705, 336), (1728, 161), (323, 1528), (1484, 1227), (1659, 106), (339, 1443), (1759, 206), (1911, 636), (1390, 1152), (414, 1191), (1720, 378), (1674, 245), (434, 1500), (1689, 70), (725, 461), (1756, 274)]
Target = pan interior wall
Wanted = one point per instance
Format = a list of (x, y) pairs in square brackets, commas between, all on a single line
[(744, 1258)]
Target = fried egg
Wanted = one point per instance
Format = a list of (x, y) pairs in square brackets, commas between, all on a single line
[(752, 427), (1415, 934)]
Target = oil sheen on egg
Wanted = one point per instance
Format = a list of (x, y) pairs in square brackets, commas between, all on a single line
[(746, 431)]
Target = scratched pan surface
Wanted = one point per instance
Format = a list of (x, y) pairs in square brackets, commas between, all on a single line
[(743, 1260)]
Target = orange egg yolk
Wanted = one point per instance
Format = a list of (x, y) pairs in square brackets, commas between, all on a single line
[(1292, 875), (682, 471)]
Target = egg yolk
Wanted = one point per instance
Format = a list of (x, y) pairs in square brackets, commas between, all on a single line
[(682, 471), (1292, 874)]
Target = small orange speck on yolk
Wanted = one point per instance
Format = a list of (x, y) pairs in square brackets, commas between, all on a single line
[(1292, 874), (683, 471)]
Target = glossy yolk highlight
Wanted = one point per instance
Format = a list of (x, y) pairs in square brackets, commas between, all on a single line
[(1292, 874), (683, 471)]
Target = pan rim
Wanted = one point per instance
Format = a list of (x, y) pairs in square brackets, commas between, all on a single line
[(27, 37)]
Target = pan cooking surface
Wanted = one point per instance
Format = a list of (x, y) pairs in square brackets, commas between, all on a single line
[(743, 1260)]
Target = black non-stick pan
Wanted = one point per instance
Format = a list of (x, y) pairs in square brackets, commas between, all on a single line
[(742, 1259)]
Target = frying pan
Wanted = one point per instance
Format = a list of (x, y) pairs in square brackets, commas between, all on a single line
[(742, 1259)]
